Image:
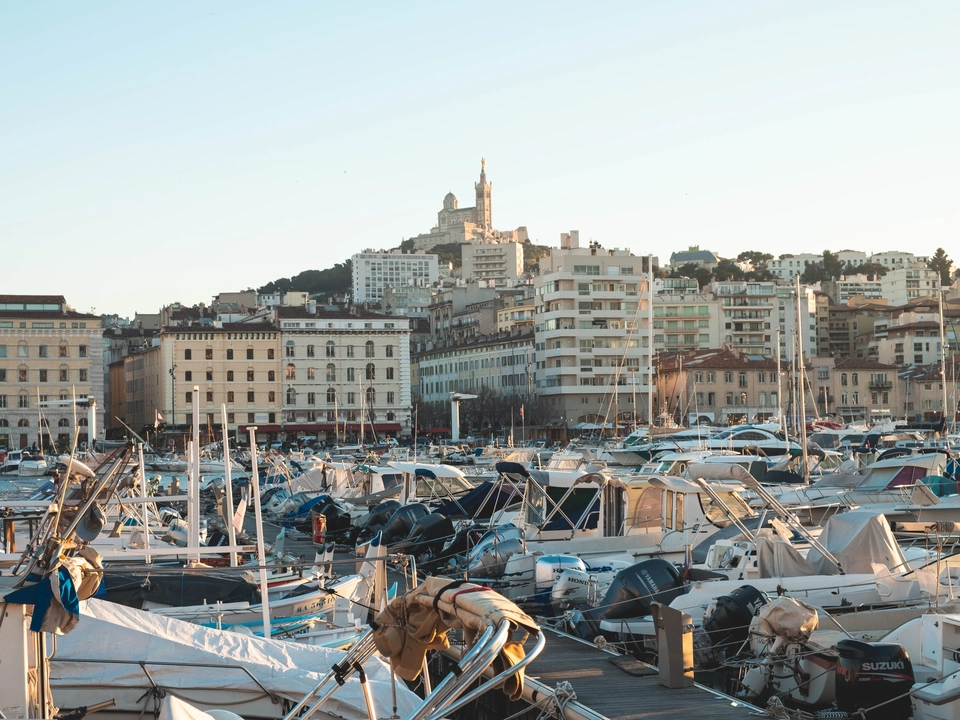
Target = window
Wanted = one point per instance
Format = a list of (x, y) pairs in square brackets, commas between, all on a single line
[(389, 350), (188, 354), (368, 349), (43, 376), (250, 396), (22, 375), (390, 398), (331, 349), (309, 350), (728, 377), (389, 373), (209, 375), (823, 373), (83, 375), (761, 377), (290, 349), (82, 350), (249, 353), (349, 350), (230, 396), (351, 398), (270, 355), (249, 375), (229, 375), (290, 372), (856, 398), (331, 396), (250, 418), (331, 373), (291, 397), (188, 375), (3, 378), (711, 378), (229, 354), (371, 397), (272, 397), (23, 402), (351, 375), (855, 379), (62, 353), (742, 380), (23, 423), (42, 351), (311, 398), (371, 372), (230, 419), (63, 375), (209, 396), (208, 355), (311, 374), (63, 422), (843, 379), (189, 396)]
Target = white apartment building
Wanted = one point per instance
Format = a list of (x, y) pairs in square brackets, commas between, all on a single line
[(500, 264), (342, 369), (686, 322), (503, 363), (850, 286), (906, 284), (897, 259), (754, 311), (593, 333), (786, 267), (374, 271)]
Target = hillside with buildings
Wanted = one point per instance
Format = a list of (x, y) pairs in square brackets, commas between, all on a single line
[(547, 338)]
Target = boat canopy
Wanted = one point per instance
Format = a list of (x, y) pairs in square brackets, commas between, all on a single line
[(857, 538)]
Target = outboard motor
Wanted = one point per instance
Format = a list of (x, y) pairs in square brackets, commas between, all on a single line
[(725, 630), (631, 594), (489, 557), (338, 520), (428, 536), (375, 520), (547, 570), (872, 673), (400, 525)]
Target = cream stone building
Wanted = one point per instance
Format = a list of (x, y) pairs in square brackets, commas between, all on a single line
[(49, 354), (498, 263), (470, 224), (344, 370), (233, 363)]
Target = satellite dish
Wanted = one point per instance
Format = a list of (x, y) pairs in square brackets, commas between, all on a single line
[(78, 467), (89, 528)]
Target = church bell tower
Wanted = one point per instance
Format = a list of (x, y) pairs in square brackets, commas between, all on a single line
[(484, 209)]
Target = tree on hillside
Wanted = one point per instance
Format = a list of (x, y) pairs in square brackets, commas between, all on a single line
[(942, 264), (873, 271), (756, 258), (727, 270), (832, 265), (332, 280), (406, 246), (813, 273)]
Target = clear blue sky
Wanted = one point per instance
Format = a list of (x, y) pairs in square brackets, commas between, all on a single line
[(154, 152)]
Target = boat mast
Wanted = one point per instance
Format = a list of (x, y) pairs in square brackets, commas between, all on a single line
[(633, 382), (943, 360), (803, 407), (780, 419), (650, 342)]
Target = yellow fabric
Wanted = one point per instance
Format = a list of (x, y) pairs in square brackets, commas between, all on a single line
[(410, 626)]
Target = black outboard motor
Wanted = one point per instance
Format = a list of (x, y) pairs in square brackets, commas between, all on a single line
[(724, 632), (631, 594), (872, 673), (338, 521), (402, 522), (375, 520), (427, 538)]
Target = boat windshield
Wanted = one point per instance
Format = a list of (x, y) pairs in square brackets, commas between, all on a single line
[(718, 515)]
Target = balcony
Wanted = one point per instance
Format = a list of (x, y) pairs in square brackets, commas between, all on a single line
[(880, 384)]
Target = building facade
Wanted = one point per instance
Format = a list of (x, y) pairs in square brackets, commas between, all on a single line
[(593, 335), (374, 271), (344, 371), (49, 354), (500, 264), (686, 322)]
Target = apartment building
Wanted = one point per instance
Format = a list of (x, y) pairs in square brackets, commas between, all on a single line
[(374, 271), (592, 332), (498, 263), (853, 287), (725, 386), (49, 353), (788, 266), (233, 363), (856, 389), (343, 370), (686, 321), (754, 311), (897, 259), (903, 285)]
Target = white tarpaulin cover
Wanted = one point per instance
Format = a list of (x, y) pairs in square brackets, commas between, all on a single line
[(288, 669), (777, 558), (857, 539)]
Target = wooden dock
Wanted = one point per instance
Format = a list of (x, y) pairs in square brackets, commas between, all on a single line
[(618, 687)]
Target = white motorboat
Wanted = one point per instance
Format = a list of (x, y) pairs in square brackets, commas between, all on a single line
[(24, 463)]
